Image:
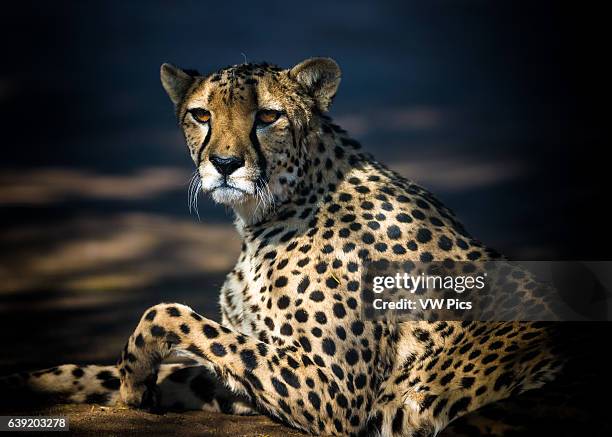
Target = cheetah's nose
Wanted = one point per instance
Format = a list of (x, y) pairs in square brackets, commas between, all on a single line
[(226, 165)]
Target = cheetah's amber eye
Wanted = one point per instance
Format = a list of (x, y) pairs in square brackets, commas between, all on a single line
[(268, 116), (201, 115)]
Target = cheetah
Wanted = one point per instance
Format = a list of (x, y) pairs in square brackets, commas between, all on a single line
[(311, 209)]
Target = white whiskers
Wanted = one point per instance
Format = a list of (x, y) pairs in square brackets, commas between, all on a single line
[(265, 198), (193, 192)]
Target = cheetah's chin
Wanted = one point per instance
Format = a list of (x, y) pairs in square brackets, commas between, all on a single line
[(228, 195)]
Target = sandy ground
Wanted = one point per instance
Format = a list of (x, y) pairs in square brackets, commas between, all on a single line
[(93, 420)]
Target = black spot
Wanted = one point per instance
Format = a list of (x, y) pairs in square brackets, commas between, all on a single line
[(351, 357), (320, 317), (280, 387), (352, 286), (393, 232), (173, 312), (339, 311), (427, 401), (314, 400), (367, 238), (218, 349), (423, 235), (373, 225), (445, 243), (495, 345), (439, 407), (301, 316), (210, 331), (151, 315), (78, 372), (418, 214), (357, 327), (292, 363), (104, 375), (248, 359), (157, 331), (280, 282), (462, 244), (467, 381), (337, 371), (329, 347), (139, 341), (403, 218), (426, 257), (360, 381), (286, 329), (112, 384), (447, 378), (262, 349), (331, 283), (185, 328), (290, 377), (283, 302), (196, 350), (348, 247), (305, 344), (398, 249), (474, 354), (303, 285), (488, 358), (344, 233)]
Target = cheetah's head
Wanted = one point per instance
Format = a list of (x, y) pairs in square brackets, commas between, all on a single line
[(245, 127)]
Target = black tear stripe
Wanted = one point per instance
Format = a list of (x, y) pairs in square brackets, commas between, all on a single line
[(261, 159), (293, 138), (203, 146)]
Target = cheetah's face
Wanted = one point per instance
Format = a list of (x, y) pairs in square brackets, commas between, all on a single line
[(244, 126)]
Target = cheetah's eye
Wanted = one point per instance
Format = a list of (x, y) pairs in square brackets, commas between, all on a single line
[(201, 115), (268, 116)]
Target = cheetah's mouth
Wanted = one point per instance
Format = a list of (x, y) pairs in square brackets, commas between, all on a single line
[(228, 194)]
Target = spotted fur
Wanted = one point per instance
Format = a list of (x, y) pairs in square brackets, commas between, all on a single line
[(311, 209)]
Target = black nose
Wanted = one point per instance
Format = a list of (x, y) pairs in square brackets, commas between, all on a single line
[(226, 165)]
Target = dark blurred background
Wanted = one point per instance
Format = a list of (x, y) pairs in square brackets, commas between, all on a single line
[(497, 107)]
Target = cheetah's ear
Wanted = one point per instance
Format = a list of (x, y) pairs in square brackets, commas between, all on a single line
[(320, 77), (176, 82)]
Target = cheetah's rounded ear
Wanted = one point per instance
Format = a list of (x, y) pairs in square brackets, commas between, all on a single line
[(320, 77), (176, 82)]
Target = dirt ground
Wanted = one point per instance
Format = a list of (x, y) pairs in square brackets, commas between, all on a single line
[(93, 420)]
